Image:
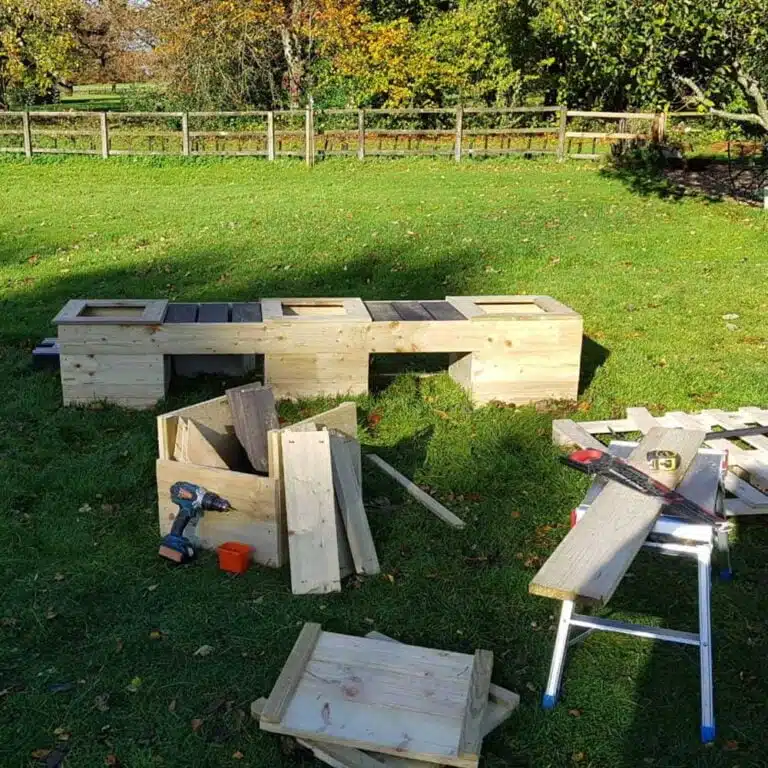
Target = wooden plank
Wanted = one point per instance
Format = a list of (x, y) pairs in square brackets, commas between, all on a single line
[(383, 697), (423, 498), (442, 310), (411, 310), (501, 702), (290, 676), (342, 418), (213, 313), (181, 313), (311, 513), (642, 418), (567, 432), (198, 448), (249, 312), (590, 562), (382, 311), (350, 499), (253, 414), (471, 739)]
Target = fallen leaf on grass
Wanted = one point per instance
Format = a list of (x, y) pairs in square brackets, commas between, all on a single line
[(113, 761), (134, 685), (59, 577), (40, 754), (373, 420), (102, 702), (731, 745), (237, 755), (515, 514), (62, 733), (203, 650), (574, 712), (85, 508), (172, 705), (390, 577), (152, 587), (531, 687), (119, 645), (578, 757), (51, 614), (157, 634), (197, 724)]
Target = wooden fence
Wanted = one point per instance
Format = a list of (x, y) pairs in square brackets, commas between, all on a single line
[(458, 133)]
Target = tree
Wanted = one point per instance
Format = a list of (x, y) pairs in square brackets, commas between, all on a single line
[(620, 53), (38, 46), (221, 52)]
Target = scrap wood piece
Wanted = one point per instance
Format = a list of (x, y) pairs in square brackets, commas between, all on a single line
[(423, 498), (590, 562), (180, 446), (311, 513), (200, 450), (398, 713), (567, 432), (349, 495), (254, 414)]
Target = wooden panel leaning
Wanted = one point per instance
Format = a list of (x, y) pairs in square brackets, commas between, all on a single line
[(590, 562), (515, 349), (258, 518)]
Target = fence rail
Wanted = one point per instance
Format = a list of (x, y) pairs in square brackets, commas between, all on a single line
[(309, 134)]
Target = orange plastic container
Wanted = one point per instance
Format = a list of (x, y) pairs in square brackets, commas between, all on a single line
[(234, 557)]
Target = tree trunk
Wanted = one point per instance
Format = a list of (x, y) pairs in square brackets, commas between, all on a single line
[(295, 66)]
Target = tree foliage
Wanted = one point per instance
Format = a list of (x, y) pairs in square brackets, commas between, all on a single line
[(38, 46)]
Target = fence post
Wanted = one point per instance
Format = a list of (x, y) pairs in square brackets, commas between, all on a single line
[(309, 137), (104, 135), (659, 128), (361, 134), (270, 135), (25, 127), (561, 138), (185, 134), (459, 132)]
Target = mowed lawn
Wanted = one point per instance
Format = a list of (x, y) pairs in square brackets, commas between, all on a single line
[(98, 636)]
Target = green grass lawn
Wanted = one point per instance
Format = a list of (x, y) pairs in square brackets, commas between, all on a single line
[(84, 594)]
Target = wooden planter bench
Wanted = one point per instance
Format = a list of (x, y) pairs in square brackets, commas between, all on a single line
[(515, 349)]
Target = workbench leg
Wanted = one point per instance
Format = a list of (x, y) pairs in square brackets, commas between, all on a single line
[(705, 646), (723, 554), (558, 656), (315, 375)]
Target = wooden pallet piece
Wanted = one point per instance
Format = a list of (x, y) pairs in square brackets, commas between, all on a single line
[(567, 432), (413, 490), (383, 697), (349, 496), (501, 704), (590, 562), (477, 701), (311, 513), (254, 414)]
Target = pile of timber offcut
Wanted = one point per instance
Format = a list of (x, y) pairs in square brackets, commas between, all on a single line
[(368, 702), (328, 532)]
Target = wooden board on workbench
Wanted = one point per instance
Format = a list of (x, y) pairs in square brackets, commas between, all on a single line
[(381, 696), (590, 562), (311, 513)]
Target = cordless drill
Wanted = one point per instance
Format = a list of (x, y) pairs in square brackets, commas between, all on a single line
[(192, 501)]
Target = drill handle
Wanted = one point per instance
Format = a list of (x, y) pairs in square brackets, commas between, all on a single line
[(180, 522)]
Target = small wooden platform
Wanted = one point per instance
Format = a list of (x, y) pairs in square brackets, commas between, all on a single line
[(383, 697), (514, 349), (747, 479)]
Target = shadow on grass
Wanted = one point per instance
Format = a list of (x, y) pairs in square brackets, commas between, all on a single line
[(712, 177), (593, 357)]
